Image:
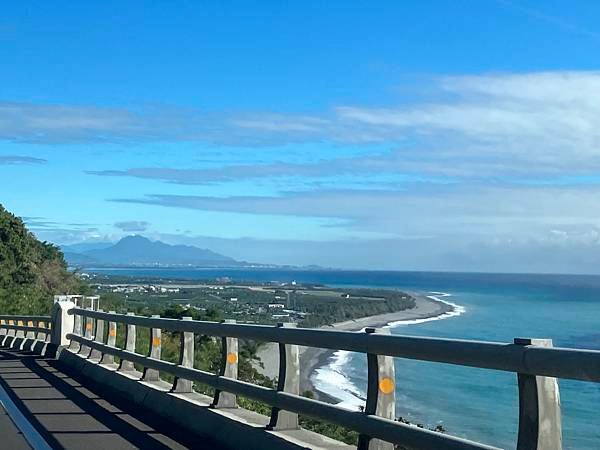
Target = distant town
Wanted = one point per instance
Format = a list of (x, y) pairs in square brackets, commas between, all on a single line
[(271, 302)]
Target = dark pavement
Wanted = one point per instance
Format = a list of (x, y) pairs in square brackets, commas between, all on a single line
[(68, 415)]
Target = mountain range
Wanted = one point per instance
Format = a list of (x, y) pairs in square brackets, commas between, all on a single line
[(142, 252)]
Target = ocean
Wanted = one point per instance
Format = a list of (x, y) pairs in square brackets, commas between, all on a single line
[(477, 404)]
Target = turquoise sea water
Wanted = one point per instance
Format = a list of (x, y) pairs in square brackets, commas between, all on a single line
[(474, 403)]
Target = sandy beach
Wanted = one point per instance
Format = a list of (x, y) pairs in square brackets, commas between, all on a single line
[(312, 358)]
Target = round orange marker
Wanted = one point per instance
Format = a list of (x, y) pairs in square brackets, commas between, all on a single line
[(232, 358), (386, 385), (88, 326), (112, 332), (155, 342)]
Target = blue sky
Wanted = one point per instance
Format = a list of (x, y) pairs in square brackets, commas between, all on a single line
[(441, 135)]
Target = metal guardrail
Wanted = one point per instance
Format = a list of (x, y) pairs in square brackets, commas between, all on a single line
[(534, 361)]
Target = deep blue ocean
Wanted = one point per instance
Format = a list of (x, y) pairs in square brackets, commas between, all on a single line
[(474, 403)]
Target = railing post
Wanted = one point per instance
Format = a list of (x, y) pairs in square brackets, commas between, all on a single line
[(127, 366), (10, 334), (40, 336), (20, 333), (111, 340), (63, 323), (229, 369), (289, 381), (540, 426), (78, 330), (30, 334), (98, 337), (381, 393), (4, 332), (186, 359), (154, 352), (85, 351)]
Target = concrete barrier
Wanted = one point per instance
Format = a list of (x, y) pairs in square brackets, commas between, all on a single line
[(233, 428), (535, 362)]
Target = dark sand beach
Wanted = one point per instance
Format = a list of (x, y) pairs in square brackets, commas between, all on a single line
[(312, 358)]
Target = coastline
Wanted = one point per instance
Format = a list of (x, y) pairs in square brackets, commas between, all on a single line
[(311, 358)]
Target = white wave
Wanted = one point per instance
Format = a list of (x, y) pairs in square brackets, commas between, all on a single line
[(331, 378), (456, 311)]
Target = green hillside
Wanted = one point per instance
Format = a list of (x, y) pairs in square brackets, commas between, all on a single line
[(30, 271)]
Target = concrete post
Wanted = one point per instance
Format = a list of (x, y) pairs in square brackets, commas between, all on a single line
[(40, 335), (381, 393), (98, 337), (85, 351), (540, 426), (78, 330), (229, 369), (30, 334), (289, 381), (111, 340), (29, 337), (20, 333), (10, 334), (3, 332), (127, 366), (186, 359), (63, 323), (154, 352)]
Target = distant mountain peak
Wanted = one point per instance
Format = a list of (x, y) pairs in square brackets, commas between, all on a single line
[(137, 250)]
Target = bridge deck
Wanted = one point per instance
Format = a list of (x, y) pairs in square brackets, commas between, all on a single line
[(68, 415)]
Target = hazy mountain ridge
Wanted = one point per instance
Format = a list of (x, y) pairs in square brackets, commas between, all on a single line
[(140, 251)]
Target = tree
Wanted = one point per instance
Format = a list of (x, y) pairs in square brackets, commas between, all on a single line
[(31, 271)]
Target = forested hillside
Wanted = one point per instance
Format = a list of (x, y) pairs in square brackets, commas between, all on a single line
[(30, 271)]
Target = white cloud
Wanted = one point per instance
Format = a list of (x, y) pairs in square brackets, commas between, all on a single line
[(535, 124), (19, 159), (463, 211), (132, 225), (538, 116)]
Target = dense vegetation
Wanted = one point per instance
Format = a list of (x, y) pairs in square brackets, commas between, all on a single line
[(363, 302), (30, 271)]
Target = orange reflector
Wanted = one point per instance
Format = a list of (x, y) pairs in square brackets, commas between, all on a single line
[(155, 342), (232, 358), (386, 385), (88, 326), (112, 332)]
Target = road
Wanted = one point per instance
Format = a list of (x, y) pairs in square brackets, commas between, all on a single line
[(42, 406)]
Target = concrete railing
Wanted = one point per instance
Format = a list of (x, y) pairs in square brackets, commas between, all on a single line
[(93, 336), (25, 332), (534, 361)]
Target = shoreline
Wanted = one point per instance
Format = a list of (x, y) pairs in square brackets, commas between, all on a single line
[(312, 358)]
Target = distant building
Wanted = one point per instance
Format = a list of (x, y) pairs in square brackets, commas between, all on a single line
[(276, 305)]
